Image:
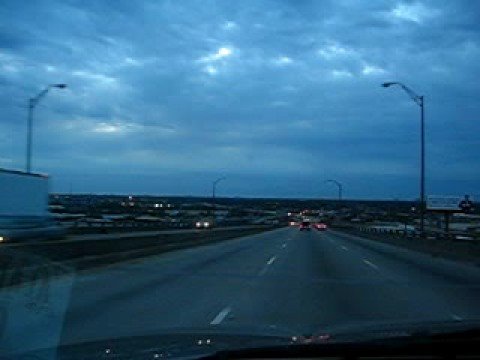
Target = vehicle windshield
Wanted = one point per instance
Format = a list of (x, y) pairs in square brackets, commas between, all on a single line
[(266, 170)]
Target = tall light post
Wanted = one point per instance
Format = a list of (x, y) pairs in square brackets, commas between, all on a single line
[(420, 101), (214, 189), (339, 185), (32, 103)]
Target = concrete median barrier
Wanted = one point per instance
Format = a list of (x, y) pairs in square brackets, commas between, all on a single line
[(23, 262)]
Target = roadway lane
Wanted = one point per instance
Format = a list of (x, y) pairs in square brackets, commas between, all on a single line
[(300, 282)]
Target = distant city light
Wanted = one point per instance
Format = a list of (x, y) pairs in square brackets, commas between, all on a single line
[(157, 205), (130, 198)]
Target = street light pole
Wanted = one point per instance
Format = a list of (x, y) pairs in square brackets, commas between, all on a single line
[(420, 101), (340, 187), (32, 102), (214, 188), (422, 167), (29, 135)]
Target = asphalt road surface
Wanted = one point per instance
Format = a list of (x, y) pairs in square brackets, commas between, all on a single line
[(285, 279)]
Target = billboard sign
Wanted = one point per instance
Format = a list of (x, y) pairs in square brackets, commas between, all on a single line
[(449, 203)]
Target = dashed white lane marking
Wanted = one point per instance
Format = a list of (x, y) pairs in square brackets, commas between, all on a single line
[(221, 316), (456, 317), (265, 268), (263, 271), (344, 248), (370, 264)]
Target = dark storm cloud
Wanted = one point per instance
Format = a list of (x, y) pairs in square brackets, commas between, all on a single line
[(278, 95)]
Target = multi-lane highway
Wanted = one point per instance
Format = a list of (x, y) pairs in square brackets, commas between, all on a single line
[(286, 281), (298, 282)]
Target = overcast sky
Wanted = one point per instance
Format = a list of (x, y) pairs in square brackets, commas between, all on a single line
[(278, 96)]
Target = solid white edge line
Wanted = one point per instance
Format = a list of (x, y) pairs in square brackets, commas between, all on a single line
[(221, 316)]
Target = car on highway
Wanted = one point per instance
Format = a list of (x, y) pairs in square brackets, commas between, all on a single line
[(203, 224), (304, 225), (321, 226)]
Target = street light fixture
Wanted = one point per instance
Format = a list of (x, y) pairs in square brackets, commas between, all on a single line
[(420, 101), (339, 185), (214, 189), (32, 103)]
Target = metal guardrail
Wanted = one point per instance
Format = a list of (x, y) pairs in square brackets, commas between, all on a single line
[(461, 236)]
